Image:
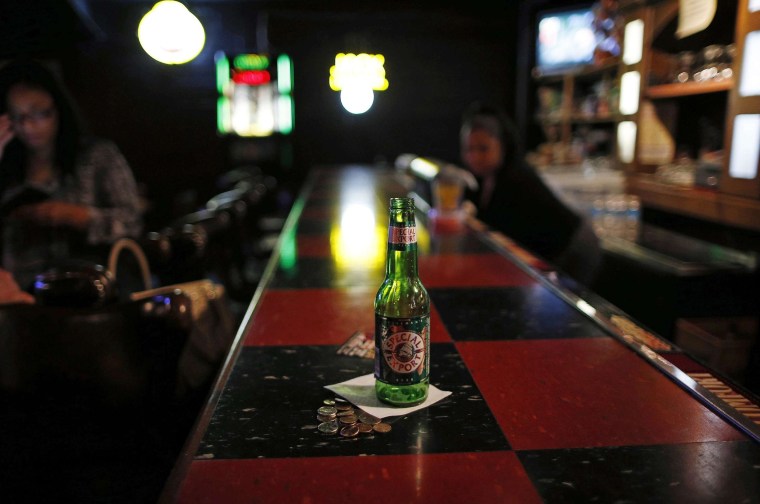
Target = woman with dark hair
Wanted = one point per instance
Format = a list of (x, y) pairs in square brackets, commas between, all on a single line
[(63, 194), (512, 198)]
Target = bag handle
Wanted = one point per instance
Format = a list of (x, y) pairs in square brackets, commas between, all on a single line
[(134, 247)]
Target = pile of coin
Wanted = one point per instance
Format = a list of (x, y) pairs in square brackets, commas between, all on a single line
[(338, 416)]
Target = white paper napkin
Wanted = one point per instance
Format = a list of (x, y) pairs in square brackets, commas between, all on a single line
[(361, 392)]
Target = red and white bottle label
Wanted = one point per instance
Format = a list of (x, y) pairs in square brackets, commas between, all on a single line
[(402, 349), (402, 235), (404, 352)]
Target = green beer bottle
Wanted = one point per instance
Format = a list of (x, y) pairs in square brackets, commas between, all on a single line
[(402, 316)]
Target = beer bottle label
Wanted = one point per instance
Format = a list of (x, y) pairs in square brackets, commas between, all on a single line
[(405, 235), (402, 349)]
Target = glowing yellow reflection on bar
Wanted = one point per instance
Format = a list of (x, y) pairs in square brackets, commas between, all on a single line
[(358, 241)]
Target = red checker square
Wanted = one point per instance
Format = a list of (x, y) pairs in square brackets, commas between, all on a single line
[(585, 392), (684, 363), (320, 317), (474, 270), (484, 477)]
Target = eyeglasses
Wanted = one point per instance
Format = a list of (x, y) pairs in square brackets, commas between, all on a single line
[(35, 116)]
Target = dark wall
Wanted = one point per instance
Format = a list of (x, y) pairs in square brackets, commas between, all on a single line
[(438, 59)]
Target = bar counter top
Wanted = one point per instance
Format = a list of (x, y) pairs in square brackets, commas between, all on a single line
[(556, 396)]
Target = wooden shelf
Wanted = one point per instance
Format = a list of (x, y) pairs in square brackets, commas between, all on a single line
[(579, 72), (696, 202), (576, 119), (688, 88)]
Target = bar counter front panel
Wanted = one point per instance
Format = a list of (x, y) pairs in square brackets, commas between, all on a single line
[(546, 405)]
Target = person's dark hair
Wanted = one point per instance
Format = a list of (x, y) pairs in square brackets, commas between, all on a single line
[(35, 75), (491, 118)]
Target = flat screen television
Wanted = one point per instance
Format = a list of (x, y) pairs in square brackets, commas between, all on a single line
[(564, 39)]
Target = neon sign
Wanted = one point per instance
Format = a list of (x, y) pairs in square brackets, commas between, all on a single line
[(254, 97), (251, 77)]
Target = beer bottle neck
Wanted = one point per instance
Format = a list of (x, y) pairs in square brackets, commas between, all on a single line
[(401, 261)]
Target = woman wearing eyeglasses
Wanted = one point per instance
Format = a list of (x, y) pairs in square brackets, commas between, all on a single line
[(63, 194)]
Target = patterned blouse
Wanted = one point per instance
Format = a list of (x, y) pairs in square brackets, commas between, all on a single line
[(102, 180)]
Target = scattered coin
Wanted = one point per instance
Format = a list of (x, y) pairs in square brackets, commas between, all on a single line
[(348, 420), (349, 431), (327, 410), (328, 427), (338, 416), (382, 427), (366, 418), (364, 428)]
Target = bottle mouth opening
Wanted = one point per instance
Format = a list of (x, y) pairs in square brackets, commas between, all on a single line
[(402, 203)]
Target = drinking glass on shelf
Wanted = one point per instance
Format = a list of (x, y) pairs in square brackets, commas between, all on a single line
[(712, 56), (728, 68), (685, 65)]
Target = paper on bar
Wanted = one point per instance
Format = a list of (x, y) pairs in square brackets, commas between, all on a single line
[(361, 392)]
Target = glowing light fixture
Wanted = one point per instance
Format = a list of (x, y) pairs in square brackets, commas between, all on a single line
[(744, 154), (585, 307), (254, 95), (630, 85), (357, 76), (633, 42), (423, 167), (357, 100), (170, 33), (750, 80), (626, 135)]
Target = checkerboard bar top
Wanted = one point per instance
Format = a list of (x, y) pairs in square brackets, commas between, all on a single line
[(551, 401)]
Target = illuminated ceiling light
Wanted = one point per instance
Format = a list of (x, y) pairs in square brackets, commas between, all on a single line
[(357, 100), (357, 76), (170, 33)]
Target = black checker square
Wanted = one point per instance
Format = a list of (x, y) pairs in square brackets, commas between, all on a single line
[(261, 414), (697, 473), (510, 313), (465, 242)]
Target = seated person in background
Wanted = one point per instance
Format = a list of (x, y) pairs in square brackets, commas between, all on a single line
[(63, 194), (512, 198)]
